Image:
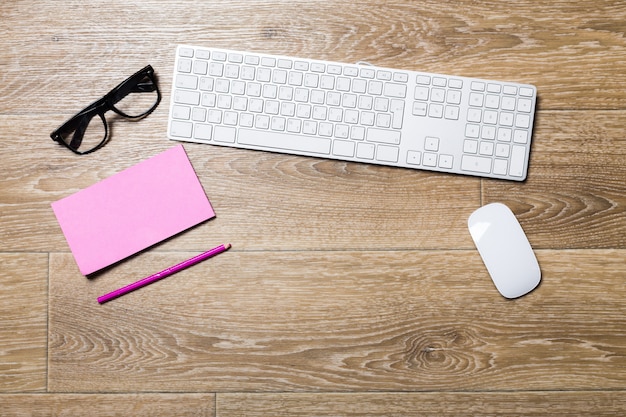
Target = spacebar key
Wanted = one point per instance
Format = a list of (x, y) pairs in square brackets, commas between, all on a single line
[(284, 142)]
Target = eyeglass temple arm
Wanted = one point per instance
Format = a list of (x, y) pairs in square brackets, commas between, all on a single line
[(79, 133)]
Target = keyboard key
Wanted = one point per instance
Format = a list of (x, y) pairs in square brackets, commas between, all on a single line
[(181, 112), (472, 131), (186, 52), (301, 66), (325, 129), (252, 60), (476, 99), (526, 92), (423, 79), (518, 155), (439, 81), (342, 131), (200, 67), (470, 146), (268, 62), (309, 127), (397, 113), (357, 133), (500, 166), (235, 57), (203, 131), (494, 88), (435, 111), (318, 67), (506, 119), (387, 154), (492, 101), (203, 54), (375, 88), (504, 135), (219, 56), (430, 159), (343, 148), (476, 164), (351, 71), (413, 157), (445, 161), (395, 90), (488, 132), (508, 103), (184, 65), (285, 63), (186, 81), (453, 97), (524, 105), (523, 121), (187, 97), (454, 83), (431, 144), (294, 125), (284, 141), (198, 114), (502, 150), (438, 95), (334, 69), (452, 112), (278, 123), (365, 150), (520, 136), (401, 77), (181, 129), (486, 148), (474, 115), (490, 117), (384, 75), (509, 89), (216, 69), (477, 86), (422, 93), (206, 84), (420, 109), (383, 136)]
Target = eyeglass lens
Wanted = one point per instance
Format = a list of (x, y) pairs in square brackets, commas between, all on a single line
[(84, 133), (142, 98)]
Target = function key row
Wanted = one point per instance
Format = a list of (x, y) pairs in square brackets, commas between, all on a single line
[(509, 90), (283, 63)]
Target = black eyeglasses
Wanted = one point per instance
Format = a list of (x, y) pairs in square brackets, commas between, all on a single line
[(134, 98)]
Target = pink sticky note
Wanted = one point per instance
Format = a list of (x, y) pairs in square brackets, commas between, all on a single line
[(132, 210)]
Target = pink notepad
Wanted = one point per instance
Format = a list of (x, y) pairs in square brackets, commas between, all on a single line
[(132, 210)]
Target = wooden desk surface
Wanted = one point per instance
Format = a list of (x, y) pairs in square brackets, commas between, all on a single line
[(350, 289)]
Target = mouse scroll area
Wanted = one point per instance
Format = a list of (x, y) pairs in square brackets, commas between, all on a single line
[(505, 250)]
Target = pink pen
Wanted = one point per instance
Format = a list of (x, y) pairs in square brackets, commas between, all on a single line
[(165, 273)]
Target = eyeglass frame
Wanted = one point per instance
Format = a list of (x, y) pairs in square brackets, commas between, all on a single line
[(99, 107)]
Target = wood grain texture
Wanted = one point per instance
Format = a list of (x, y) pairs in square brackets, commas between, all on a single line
[(351, 290), (441, 404), (23, 322), (575, 195), (108, 405), (349, 321), (572, 50)]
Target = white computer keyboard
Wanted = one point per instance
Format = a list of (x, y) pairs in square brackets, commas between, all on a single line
[(352, 112)]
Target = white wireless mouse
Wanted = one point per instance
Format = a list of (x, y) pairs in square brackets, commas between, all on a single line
[(505, 250)]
